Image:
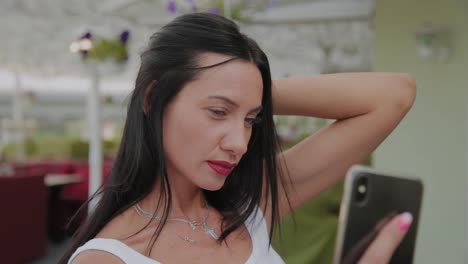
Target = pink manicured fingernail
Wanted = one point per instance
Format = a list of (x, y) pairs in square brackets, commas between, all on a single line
[(404, 221)]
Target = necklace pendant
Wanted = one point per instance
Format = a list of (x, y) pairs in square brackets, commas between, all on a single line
[(210, 231), (187, 239), (192, 225)]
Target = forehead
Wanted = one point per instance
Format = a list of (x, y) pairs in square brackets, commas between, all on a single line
[(238, 79)]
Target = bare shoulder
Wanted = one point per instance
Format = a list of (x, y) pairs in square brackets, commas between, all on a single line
[(96, 256), (120, 226)]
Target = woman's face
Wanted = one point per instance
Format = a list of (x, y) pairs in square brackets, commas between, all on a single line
[(208, 125)]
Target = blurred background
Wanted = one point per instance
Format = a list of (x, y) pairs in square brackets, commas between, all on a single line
[(67, 68)]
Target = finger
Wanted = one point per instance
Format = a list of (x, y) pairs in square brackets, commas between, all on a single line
[(358, 250), (383, 222), (388, 239)]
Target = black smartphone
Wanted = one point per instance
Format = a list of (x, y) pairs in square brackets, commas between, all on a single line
[(371, 197)]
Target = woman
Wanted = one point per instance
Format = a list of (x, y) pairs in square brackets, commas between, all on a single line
[(198, 177)]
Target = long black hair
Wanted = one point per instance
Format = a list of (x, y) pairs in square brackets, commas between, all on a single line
[(171, 59)]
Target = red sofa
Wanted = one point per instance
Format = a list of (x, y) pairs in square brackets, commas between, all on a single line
[(64, 201), (43, 167), (79, 192), (74, 192), (23, 224)]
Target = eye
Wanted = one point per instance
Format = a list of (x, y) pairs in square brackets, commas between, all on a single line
[(253, 121), (218, 112)]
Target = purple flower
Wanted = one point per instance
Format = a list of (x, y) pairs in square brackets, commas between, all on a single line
[(124, 36), (214, 10), (193, 4), (87, 35), (171, 6)]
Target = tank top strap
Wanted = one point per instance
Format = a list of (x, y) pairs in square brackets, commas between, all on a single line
[(259, 233)]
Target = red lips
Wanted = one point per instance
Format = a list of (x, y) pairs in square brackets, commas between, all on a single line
[(221, 167)]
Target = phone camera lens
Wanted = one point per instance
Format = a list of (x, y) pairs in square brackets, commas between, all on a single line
[(361, 189)]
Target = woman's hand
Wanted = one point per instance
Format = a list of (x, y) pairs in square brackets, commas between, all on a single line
[(387, 240)]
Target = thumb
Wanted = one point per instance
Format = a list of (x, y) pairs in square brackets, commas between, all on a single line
[(388, 239)]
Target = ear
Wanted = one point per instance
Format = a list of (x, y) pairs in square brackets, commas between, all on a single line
[(147, 96)]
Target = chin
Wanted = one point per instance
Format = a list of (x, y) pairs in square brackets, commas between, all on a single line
[(213, 186)]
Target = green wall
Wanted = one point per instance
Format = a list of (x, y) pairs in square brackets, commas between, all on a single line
[(432, 140)]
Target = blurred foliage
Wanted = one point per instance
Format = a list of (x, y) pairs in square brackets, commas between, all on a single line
[(105, 49), (236, 10), (53, 146), (80, 149), (309, 237), (110, 147), (30, 149)]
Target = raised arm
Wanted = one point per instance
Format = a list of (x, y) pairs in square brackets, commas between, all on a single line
[(366, 106)]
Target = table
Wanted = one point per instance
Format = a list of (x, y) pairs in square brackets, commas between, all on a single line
[(60, 180)]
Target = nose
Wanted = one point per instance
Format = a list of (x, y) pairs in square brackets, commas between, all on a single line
[(236, 139)]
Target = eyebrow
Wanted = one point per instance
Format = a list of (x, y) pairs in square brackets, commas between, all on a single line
[(234, 104)]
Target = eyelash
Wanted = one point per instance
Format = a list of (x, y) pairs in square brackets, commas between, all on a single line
[(250, 121)]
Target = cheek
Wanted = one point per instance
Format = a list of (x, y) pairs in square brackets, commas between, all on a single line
[(188, 139)]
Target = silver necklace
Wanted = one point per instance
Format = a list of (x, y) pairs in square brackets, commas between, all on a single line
[(192, 224)]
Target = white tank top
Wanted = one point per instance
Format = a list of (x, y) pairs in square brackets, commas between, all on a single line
[(256, 225)]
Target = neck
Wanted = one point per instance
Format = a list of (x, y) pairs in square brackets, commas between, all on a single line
[(187, 200)]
